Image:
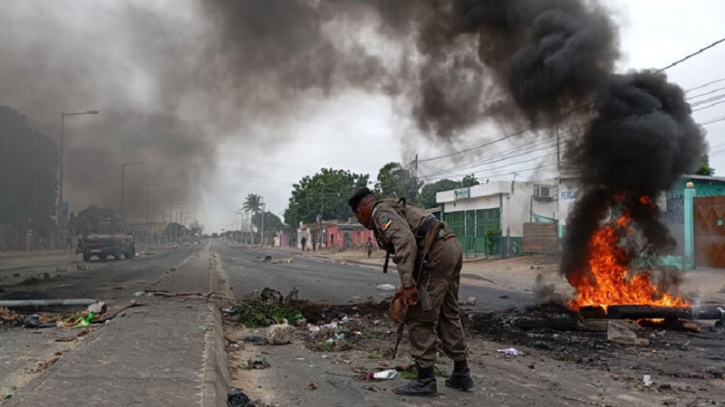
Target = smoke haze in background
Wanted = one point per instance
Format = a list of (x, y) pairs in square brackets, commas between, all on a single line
[(174, 80)]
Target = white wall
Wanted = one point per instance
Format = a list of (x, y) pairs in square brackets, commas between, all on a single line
[(517, 207), (514, 199)]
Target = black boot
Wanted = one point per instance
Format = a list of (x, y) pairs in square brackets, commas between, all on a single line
[(423, 385), (461, 377)]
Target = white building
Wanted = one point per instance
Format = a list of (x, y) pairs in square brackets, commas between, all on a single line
[(489, 218)]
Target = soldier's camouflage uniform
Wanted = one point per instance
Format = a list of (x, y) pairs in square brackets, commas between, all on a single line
[(397, 228)]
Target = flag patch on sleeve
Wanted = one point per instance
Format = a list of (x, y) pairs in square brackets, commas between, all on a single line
[(386, 223)]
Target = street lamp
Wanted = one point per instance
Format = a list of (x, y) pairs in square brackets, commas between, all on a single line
[(147, 208), (123, 183), (62, 144), (62, 209)]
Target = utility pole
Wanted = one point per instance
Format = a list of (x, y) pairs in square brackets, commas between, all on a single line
[(262, 200), (415, 179), (63, 214), (147, 208)]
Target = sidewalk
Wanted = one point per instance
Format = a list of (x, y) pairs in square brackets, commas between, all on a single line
[(35, 253), (167, 352)]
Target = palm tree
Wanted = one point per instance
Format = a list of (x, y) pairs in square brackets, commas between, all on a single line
[(253, 204)]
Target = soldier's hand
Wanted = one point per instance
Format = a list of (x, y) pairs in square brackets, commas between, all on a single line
[(410, 295)]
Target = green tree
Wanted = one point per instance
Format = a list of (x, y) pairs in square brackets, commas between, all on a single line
[(428, 194), (324, 194), (28, 164), (253, 203), (394, 181), (705, 168), (272, 222)]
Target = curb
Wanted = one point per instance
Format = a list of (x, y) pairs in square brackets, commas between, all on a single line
[(217, 381)]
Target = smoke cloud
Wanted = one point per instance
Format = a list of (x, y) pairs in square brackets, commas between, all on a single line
[(174, 80)]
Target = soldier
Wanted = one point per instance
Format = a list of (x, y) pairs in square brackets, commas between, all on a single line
[(430, 289)]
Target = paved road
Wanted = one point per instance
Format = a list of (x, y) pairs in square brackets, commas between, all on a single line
[(333, 283), (110, 281)]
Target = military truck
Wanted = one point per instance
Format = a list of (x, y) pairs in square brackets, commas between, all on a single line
[(102, 233)]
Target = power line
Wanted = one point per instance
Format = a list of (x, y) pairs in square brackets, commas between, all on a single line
[(583, 106), (708, 106), (705, 85), (692, 55)]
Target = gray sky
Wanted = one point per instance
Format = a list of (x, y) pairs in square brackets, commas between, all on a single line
[(142, 76), (654, 33)]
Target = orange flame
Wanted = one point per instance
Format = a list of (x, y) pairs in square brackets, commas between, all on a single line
[(609, 283)]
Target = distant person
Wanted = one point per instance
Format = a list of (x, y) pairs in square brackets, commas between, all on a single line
[(303, 242), (29, 239), (369, 246), (314, 243), (71, 232)]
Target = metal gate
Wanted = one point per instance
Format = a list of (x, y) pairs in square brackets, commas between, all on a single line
[(710, 231)]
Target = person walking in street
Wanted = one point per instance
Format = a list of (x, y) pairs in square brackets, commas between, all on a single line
[(429, 260), (303, 242), (369, 246), (314, 243), (29, 239)]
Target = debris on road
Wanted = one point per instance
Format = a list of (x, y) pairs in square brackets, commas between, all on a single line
[(647, 380), (206, 328), (8, 316), (97, 308), (510, 351), (270, 308), (280, 334), (471, 300), (258, 364), (34, 322), (385, 287), (312, 386), (81, 267), (385, 374), (622, 332), (237, 398)]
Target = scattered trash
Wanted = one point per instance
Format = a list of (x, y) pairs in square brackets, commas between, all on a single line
[(385, 374), (81, 267), (206, 328), (312, 386), (267, 259), (33, 321), (385, 287), (83, 322), (280, 334), (622, 332), (254, 340), (97, 308), (9, 316), (647, 380), (139, 293), (257, 364), (270, 296), (510, 351), (237, 398), (172, 269), (8, 395), (470, 301)]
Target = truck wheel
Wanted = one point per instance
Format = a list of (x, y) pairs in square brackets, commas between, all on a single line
[(86, 257), (131, 253), (117, 256)]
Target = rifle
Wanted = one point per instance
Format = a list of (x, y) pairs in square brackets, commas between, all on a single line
[(424, 297)]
